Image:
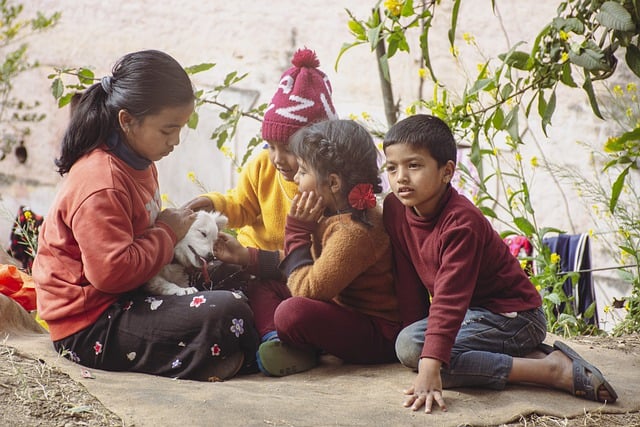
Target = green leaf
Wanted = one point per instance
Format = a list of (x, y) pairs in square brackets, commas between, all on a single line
[(588, 87), (566, 77), (633, 59), (614, 16), (198, 68), (57, 88), (86, 76), (488, 212), (548, 111), (589, 58), (617, 188), (525, 226), (193, 120), (517, 59), (343, 49), (553, 298), (357, 29), (454, 22)]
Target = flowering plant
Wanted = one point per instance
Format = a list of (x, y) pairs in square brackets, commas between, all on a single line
[(361, 197)]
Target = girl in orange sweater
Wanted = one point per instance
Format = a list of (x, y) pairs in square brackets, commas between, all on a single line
[(105, 236)]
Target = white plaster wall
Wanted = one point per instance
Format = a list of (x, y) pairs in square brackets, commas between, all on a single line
[(259, 37)]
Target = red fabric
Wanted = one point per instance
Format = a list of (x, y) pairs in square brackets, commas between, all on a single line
[(303, 97), (18, 286)]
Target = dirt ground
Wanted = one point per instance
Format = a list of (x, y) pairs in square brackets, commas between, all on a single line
[(34, 394)]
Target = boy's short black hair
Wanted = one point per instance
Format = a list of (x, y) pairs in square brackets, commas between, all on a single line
[(426, 132)]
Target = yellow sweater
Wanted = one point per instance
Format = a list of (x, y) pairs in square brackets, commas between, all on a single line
[(259, 205)]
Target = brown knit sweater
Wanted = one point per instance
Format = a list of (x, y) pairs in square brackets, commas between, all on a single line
[(342, 260)]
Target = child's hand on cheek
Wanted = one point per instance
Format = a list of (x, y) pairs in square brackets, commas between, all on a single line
[(307, 206)]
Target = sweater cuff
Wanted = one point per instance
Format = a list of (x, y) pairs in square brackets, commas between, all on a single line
[(264, 264), (297, 258), (297, 233)]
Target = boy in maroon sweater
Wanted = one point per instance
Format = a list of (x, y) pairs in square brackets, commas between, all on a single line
[(484, 324)]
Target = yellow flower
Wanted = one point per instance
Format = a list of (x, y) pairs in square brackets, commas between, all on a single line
[(393, 6), (509, 192), (518, 157), (480, 67), (454, 51), (629, 112), (563, 35), (353, 117), (192, 176), (523, 264), (366, 115), (534, 161), (28, 216), (468, 38), (591, 233), (627, 305), (538, 288), (409, 110), (617, 90), (632, 87), (164, 197), (422, 72), (564, 57), (555, 258), (607, 308)]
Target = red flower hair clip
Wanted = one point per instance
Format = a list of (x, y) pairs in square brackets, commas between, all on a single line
[(361, 197)]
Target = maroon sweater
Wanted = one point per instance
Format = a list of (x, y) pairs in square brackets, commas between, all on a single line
[(461, 261)]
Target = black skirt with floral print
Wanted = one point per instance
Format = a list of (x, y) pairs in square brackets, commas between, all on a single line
[(202, 336)]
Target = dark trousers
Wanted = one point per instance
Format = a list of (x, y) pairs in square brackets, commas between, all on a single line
[(173, 336), (322, 325)]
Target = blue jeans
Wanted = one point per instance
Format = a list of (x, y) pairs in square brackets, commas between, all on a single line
[(482, 355)]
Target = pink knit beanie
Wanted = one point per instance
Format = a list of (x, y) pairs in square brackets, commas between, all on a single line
[(303, 97)]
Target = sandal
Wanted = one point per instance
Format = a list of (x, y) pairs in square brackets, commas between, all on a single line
[(585, 385)]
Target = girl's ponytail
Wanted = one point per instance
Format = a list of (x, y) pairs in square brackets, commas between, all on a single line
[(90, 125)]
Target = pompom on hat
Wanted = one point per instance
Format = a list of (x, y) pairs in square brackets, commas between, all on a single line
[(303, 97)]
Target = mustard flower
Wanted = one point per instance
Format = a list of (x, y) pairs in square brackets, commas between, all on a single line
[(422, 72), (393, 6), (564, 36), (518, 157), (627, 305), (564, 57), (607, 308), (454, 51), (555, 258), (534, 161), (617, 91), (632, 87), (468, 38), (192, 176)]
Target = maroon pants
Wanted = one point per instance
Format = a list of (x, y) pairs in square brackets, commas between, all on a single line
[(324, 325)]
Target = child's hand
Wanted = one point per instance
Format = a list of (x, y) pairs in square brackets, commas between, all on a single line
[(427, 387), (228, 249), (307, 206), (199, 204), (179, 220)]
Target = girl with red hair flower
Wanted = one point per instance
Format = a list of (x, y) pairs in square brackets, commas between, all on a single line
[(339, 295)]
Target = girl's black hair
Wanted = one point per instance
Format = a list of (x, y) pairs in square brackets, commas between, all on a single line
[(342, 147), (142, 83), (426, 132)]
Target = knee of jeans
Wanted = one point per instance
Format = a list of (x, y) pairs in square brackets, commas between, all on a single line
[(408, 351)]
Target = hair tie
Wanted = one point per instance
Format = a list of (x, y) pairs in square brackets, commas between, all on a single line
[(105, 82), (361, 197)]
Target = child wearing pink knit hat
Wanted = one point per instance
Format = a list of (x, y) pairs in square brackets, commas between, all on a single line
[(259, 204)]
